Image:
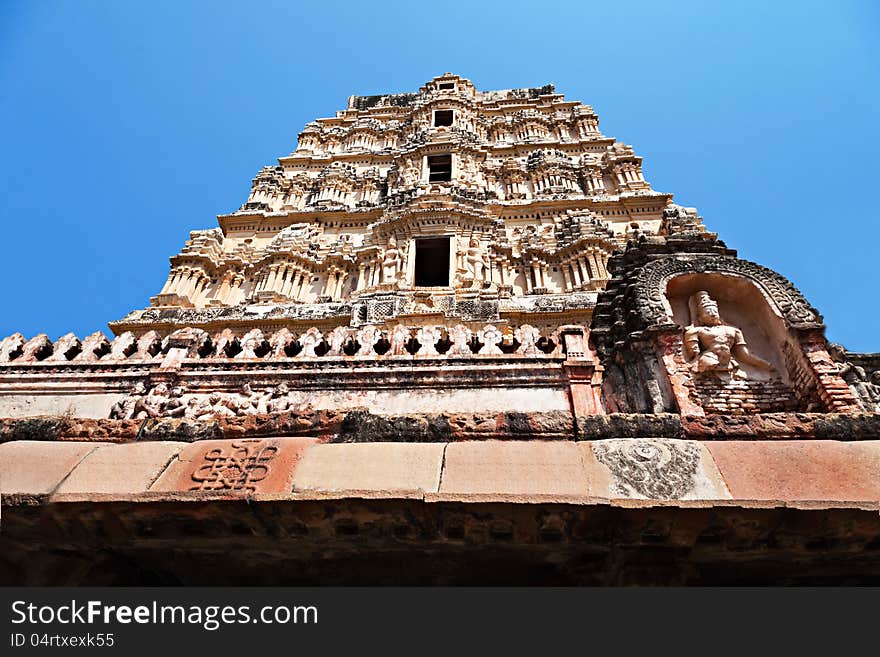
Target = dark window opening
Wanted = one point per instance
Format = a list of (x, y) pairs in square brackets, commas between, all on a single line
[(446, 86), (432, 262), (442, 118), (439, 168)]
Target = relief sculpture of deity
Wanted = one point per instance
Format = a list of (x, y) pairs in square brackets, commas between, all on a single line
[(713, 347)]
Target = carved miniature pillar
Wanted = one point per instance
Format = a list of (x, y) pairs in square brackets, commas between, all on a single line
[(585, 271), (273, 276), (168, 283), (235, 283), (600, 264), (290, 290), (337, 293), (191, 282), (361, 282), (304, 284), (565, 278)]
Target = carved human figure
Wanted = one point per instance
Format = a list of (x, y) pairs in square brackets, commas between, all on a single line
[(855, 376), (711, 346), (279, 400), (244, 403), (460, 337), (411, 174), (475, 261), (124, 408), (400, 336), (337, 339), (391, 261), (250, 342), (175, 406), (152, 404)]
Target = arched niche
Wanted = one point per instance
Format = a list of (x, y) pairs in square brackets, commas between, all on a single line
[(741, 303)]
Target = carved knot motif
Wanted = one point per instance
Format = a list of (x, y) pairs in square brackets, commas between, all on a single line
[(238, 469), (652, 469)]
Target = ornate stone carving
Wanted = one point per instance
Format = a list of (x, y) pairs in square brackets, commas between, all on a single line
[(308, 341), (713, 347), (280, 342), (528, 337), (253, 344), (652, 469), (391, 261), (336, 339), (237, 468), (491, 337), (400, 336), (460, 338), (428, 337), (124, 409), (651, 283), (367, 338)]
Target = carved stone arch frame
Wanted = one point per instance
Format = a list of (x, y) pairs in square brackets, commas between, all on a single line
[(783, 297), (802, 351)]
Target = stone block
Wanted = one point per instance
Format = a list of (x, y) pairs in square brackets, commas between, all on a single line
[(128, 468), (235, 467), (659, 469), (374, 469), (520, 471), (800, 470), (37, 467)]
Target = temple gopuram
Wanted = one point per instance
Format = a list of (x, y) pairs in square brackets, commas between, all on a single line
[(454, 337)]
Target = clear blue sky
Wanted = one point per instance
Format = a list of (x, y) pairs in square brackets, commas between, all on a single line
[(124, 125)]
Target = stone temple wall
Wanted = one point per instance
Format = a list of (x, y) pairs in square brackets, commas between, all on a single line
[(454, 337)]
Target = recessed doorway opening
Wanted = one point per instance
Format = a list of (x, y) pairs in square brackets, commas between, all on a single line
[(432, 262)]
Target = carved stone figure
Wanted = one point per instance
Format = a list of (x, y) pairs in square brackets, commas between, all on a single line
[(400, 336), (428, 337), (864, 389), (475, 261), (152, 404), (528, 337), (281, 339), (491, 337), (124, 408), (711, 346), (251, 342), (367, 338), (309, 340), (279, 400), (391, 261), (337, 339), (175, 406), (460, 338)]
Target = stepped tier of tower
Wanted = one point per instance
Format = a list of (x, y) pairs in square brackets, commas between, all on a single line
[(431, 199)]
